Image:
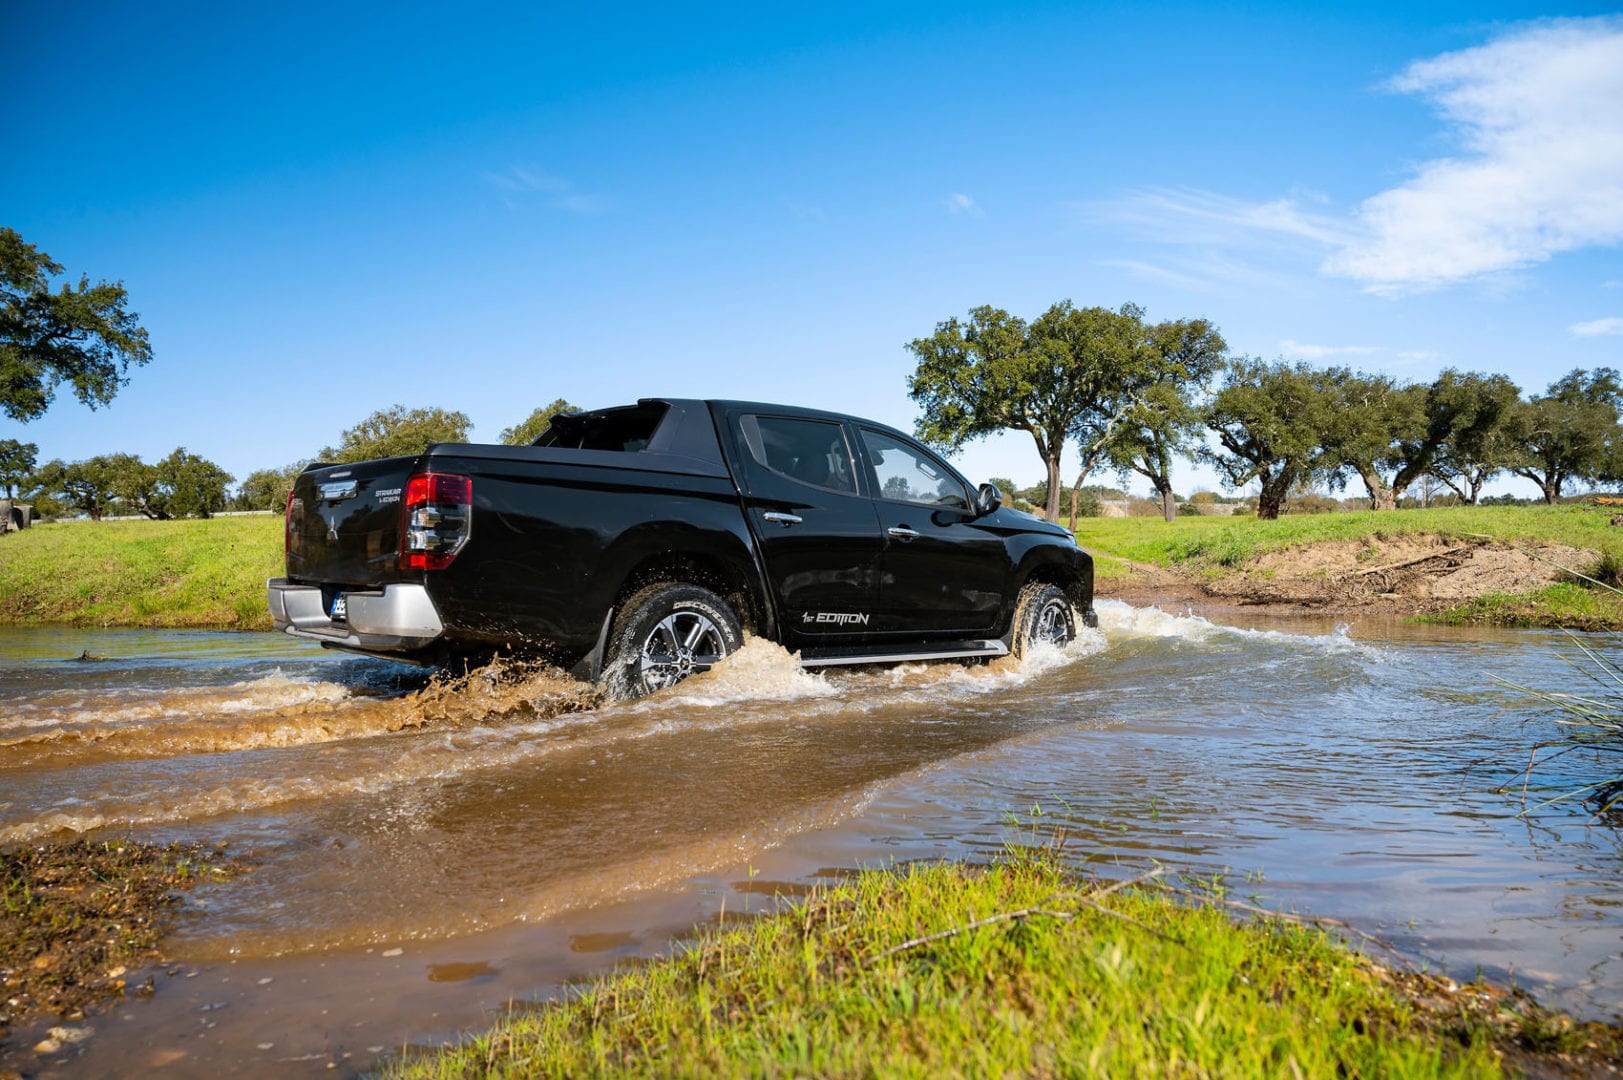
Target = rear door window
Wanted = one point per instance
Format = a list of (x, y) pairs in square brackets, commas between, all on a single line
[(811, 452)]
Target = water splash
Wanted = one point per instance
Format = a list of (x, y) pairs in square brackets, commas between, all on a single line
[(761, 670), (280, 711), (1121, 620)]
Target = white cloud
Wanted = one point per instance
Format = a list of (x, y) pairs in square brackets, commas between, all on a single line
[(1192, 216), (1319, 352), (558, 193), (1539, 115), (959, 203), (1598, 328)]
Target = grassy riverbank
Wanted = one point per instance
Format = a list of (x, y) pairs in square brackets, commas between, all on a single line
[(191, 573), (1205, 550), (1021, 969), (1227, 541)]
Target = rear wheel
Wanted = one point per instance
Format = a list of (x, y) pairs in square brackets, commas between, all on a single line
[(1043, 616), (665, 633)]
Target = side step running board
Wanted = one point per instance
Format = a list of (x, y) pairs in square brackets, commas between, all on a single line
[(890, 654)]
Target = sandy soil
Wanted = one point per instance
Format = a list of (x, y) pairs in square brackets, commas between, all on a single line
[(1404, 575)]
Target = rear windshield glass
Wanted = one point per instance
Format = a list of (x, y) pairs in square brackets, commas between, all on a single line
[(626, 430)]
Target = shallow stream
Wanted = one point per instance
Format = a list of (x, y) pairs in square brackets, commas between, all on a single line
[(425, 853)]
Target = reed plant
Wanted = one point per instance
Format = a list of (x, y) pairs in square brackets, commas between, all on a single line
[(1590, 723)]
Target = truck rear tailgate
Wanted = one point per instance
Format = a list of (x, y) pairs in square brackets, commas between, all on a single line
[(343, 523)]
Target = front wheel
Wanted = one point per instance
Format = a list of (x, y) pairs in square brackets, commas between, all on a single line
[(665, 633), (1043, 616)]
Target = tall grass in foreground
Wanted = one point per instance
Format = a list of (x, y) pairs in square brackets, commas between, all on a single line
[(1591, 721), (1021, 969)]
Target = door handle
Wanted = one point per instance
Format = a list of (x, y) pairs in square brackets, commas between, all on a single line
[(785, 520), (902, 533)]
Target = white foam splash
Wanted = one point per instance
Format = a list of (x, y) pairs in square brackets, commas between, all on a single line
[(761, 670), (1120, 619)]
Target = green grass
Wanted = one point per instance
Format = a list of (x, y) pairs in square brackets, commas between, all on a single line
[(191, 573), (1565, 604), (1088, 982), (1233, 541)]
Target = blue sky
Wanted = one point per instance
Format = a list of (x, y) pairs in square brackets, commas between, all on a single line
[(319, 213)]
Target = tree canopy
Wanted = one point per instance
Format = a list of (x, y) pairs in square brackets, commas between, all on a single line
[(1480, 444), (82, 335), (267, 489), (17, 460), (1070, 374), (181, 485), (1391, 434), (189, 485), (398, 432), (530, 428), (86, 486), (1268, 419), (1570, 432), (1164, 422)]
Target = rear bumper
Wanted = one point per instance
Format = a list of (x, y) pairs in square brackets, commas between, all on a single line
[(395, 618)]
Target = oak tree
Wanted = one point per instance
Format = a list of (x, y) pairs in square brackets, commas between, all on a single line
[(17, 460), (83, 335), (1164, 421), (996, 372), (398, 432), (1267, 419), (530, 428), (1570, 432)]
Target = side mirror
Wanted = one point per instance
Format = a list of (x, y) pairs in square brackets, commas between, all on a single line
[(987, 499)]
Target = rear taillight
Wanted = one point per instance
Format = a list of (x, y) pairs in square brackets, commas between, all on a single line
[(435, 522), (294, 506)]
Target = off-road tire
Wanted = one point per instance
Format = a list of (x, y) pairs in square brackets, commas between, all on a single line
[(1042, 613), (663, 634)]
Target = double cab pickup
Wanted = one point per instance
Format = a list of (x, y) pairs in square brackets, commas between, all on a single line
[(638, 545)]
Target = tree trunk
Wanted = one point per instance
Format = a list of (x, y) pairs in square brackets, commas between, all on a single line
[(1053, 487), (1381, 497), (1076, 492), (1169, 507), (1271, 499), (1552, 491)]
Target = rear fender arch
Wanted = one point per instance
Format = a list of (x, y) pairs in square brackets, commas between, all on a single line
[(720, 562)]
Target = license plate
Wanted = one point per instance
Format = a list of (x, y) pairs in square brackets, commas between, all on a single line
[(340, 607)]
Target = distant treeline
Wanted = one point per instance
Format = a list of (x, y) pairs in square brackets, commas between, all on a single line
[(1134, 397), (186, 485)]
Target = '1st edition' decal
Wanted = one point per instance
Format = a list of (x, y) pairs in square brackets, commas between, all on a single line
[(838, 618)]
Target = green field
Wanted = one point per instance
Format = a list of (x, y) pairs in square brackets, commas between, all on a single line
[(1227, 541), (191, 573), (889, 975)]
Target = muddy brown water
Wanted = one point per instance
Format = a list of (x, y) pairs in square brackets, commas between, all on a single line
[(427, 856)]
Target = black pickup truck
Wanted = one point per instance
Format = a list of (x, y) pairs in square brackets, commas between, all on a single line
[(637, 545)]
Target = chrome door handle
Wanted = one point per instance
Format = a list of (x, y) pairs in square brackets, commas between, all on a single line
[(785, 520), (902, 533)]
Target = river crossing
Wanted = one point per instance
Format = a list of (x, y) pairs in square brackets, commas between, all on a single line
[(425, 854)]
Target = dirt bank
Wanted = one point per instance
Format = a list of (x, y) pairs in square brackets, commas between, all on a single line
[(1402, 575)]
